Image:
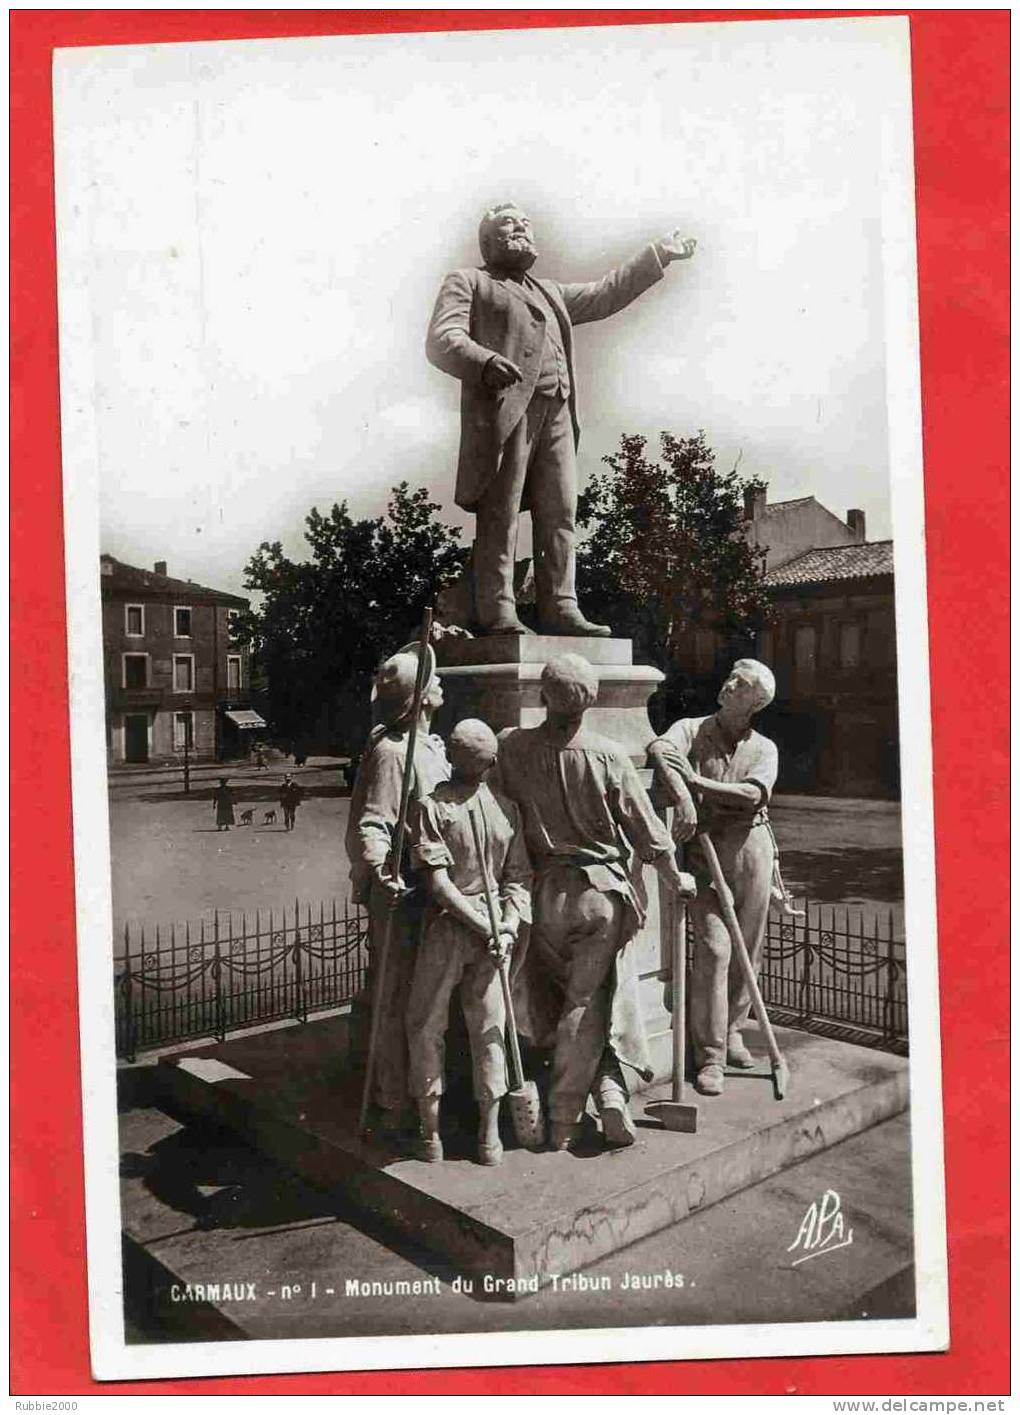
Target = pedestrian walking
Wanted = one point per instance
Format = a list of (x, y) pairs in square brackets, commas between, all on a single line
[(290, 798), (223, 804)]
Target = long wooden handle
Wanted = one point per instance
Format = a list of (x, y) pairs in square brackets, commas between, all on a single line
[(490, 904), (722, 889), (400, 830), (679, 997), (396, 861)]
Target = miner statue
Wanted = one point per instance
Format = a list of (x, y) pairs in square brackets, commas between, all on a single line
[(508, 337)]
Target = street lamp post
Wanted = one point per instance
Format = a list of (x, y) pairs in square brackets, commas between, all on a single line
[(189, 719)]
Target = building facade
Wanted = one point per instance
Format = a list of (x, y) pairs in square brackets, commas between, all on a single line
[(785, 529), (831, 642), (832, 646), (176, 679)]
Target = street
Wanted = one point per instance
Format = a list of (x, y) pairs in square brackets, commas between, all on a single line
[(170, 864)]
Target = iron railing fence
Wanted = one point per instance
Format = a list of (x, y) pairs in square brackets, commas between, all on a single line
[(836, 970), (840, 966), (235, 970)]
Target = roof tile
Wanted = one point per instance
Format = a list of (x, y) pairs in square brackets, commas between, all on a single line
[(836, 562), (129, 577)]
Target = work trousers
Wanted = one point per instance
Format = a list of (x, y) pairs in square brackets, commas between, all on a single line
[(389, 1077), (451, 956), (537, 459), (720, 999), (577, 933)]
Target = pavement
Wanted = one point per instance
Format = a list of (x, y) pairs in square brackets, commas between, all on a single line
[(200, 1206)]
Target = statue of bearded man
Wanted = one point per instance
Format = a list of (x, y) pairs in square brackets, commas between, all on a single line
[(508, 337)]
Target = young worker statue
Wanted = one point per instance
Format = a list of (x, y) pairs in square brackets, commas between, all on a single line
[(457, 949)]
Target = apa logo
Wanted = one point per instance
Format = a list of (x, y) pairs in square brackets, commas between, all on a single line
[(822, 1229)]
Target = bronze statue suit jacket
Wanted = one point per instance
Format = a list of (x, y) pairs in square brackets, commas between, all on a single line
[(479, 314)]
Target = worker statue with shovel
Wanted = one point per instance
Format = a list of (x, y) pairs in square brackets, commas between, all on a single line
[(719, 773)]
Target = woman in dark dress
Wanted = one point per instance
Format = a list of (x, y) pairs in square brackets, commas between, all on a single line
[(223, 801)]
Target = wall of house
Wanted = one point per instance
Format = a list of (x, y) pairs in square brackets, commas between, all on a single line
[(162, 742), (209, 641), (209, 644), (789, 531), (835, 716)]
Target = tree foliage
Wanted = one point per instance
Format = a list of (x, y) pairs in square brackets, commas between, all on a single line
[(665, 559), (324, 623)]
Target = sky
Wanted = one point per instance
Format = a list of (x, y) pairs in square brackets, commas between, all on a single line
[(255, 232)]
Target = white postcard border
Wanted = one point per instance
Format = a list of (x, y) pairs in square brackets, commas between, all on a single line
[(112, 1358)]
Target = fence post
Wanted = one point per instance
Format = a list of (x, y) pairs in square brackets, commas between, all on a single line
[(220, 1018), (300, 1010), (804, 999), (888, 1026), (128, 988)]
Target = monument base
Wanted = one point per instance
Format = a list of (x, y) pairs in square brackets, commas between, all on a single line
[(538, 1215), (498, 680)]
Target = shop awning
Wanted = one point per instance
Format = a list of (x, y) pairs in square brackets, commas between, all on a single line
[(245, 717)]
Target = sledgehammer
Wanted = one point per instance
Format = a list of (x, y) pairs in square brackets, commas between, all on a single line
[(525, 1106), (677, 1114)]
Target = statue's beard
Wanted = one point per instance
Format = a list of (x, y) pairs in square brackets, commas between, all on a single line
[(517, 254)]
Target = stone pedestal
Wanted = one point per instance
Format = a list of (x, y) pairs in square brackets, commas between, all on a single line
[(497, 679), (291, 1097)]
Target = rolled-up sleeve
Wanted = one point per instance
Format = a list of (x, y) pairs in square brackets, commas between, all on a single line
[(680, 735), (764, 768), (429, 850), (374, 830), (636, 815)]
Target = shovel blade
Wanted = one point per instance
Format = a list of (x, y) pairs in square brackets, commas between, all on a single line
[(526, 1115), (674, 1115)]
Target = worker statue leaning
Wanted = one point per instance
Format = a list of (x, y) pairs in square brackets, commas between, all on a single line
[(719, 773), (508, 337)]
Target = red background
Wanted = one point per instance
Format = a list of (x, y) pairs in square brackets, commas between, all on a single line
[(961, 75)]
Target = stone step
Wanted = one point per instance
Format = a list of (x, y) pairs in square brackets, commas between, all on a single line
[(537, 1216), (220, 1244)]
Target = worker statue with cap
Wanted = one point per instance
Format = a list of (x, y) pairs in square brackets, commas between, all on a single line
[(375, 805), (719, 773), (588, 822), (464, 835), (508, 338)]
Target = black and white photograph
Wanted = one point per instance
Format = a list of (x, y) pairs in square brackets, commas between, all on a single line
[(499, 697)]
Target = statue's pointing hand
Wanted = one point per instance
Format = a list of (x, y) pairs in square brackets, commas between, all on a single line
[(675, 246), (500, 372)]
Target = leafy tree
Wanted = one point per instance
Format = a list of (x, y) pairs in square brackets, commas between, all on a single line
[(665, 559), (324, 623)]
